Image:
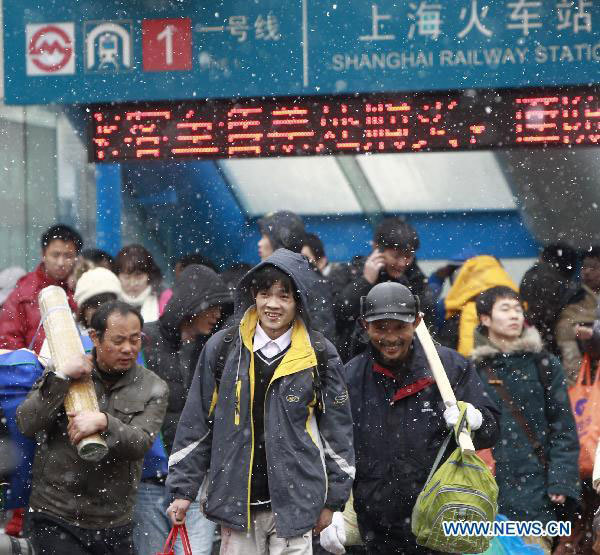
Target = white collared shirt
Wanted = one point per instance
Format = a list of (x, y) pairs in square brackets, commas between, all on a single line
[(270, 347)]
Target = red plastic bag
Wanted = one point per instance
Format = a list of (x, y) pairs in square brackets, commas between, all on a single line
[(169, 547), (585, 402)]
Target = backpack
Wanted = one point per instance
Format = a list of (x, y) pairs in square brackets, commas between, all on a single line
[(19, 370), (317, 340), (461, 489)]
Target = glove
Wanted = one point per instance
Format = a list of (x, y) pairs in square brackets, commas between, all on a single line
[(334, 536), (474, 416)]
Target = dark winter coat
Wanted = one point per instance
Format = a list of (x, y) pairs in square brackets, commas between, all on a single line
[(99, 494), (545, 290), (20, 314), (197, 289), (398, 430), (535, 381), (350, 285), (310, 457), (320, 304)]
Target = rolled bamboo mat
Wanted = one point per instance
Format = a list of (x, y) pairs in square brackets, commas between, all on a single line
[(65, 343)]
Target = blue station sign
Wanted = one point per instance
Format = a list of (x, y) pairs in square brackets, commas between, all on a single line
[(85, 51)]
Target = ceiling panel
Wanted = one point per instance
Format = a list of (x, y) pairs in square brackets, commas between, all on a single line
[(437, 181), (311, 185)]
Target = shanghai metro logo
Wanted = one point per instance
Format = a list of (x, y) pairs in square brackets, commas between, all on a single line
[(50, 48), (108, 46)]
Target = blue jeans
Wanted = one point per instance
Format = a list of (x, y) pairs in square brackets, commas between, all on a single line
[(152, 526)]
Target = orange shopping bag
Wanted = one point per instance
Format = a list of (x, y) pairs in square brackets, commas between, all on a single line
[(585, 403)]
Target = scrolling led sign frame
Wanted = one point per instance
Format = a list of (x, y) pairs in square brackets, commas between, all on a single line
[(350, 124)]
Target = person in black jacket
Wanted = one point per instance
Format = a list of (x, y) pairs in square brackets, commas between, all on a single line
[(171, 348), (547, 287), (400, 420), (393, 259), (173, 343)]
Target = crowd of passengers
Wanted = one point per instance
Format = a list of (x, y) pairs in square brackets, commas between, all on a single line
[(278, 408)]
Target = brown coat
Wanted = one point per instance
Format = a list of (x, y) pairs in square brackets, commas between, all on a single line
[(92, 494), (580, 312)]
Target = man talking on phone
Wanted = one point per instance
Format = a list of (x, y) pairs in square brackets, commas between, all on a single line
[(395, 244)]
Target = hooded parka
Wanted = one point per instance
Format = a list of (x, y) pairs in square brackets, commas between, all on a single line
[(310, 457), (524, 485), (197, 289), (475, 276)]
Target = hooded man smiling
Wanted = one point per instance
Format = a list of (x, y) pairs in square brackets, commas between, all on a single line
[(268, 429)]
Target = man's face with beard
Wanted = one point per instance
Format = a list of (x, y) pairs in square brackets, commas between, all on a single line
[(392, 338)]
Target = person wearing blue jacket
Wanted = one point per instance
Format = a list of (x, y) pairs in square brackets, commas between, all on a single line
[(400, 420)]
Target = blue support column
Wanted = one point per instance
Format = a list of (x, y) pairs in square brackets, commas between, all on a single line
[(108, 207)]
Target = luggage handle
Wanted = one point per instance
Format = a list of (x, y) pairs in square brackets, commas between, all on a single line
[(459, 428), (585, 372), (169, 547)]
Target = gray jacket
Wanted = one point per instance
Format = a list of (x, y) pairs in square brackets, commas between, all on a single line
[(92, 494), (310, 456)]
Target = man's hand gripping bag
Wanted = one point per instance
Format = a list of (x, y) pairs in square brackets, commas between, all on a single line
[(462, 489)]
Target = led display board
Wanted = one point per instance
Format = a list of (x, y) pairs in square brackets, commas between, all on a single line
[(341, 124)]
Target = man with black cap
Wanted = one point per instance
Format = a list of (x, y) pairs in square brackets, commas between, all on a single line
[(400, 420), (395, 244)]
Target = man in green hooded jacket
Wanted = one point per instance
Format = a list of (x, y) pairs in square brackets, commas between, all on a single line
[(537, 454)]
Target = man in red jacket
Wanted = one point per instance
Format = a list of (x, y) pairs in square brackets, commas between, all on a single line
[(20, 316)]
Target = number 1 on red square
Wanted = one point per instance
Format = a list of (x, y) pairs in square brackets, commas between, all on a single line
[(167, 44)]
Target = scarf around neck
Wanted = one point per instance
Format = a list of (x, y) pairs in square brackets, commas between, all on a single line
[(146, 301)]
